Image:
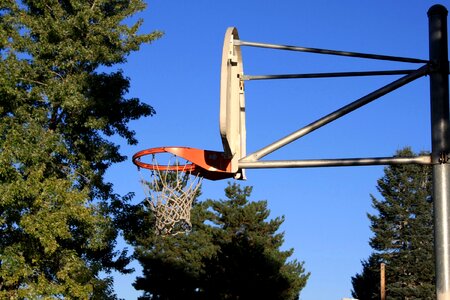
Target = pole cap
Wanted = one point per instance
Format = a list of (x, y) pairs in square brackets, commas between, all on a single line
[(437, 9)]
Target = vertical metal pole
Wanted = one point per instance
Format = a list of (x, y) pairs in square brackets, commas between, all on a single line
[(382, 281), (439, 97)]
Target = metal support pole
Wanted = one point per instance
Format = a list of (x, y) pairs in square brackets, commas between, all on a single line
[(382, 281), (328, 52), (337, 162), (325, 75), (439, 98)]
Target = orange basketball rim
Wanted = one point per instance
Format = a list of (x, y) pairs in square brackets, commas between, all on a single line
[(209, 164)]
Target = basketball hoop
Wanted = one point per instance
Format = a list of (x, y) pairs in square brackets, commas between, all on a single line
[(174, 181)]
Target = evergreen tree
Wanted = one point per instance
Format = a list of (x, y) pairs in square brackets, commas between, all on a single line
[(232, 252), (56, 113), (173, 266), (403, 233), (249, 264), (367, 284)]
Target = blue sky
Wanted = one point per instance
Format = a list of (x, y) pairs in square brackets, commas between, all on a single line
[(325, 209)]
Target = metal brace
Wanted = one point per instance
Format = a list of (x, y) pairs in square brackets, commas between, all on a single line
[(443, 158)]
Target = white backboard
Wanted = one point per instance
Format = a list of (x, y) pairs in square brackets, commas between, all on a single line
[(232, 101)]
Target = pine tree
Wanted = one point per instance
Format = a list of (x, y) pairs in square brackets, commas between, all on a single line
[(232, 252), (249, 264), (367, 284), (403, 232), (56, 113), (173, 266)]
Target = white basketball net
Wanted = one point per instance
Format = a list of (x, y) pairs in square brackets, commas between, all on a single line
[(169, 195)]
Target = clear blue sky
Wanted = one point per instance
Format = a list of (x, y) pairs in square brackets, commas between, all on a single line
[(325, 209)]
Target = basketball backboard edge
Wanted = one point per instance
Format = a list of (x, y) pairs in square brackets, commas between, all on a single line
[(232, 102)]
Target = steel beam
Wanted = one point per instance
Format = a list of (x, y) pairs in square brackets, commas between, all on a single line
[(326, 75), (339, 162), (329, 52)]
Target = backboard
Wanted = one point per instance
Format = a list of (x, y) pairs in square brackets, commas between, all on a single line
[(232, 101)]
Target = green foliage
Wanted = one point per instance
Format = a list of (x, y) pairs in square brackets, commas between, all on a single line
[(232, 252), (56, 112), (403, 233), (249, 264), (367, 284)]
